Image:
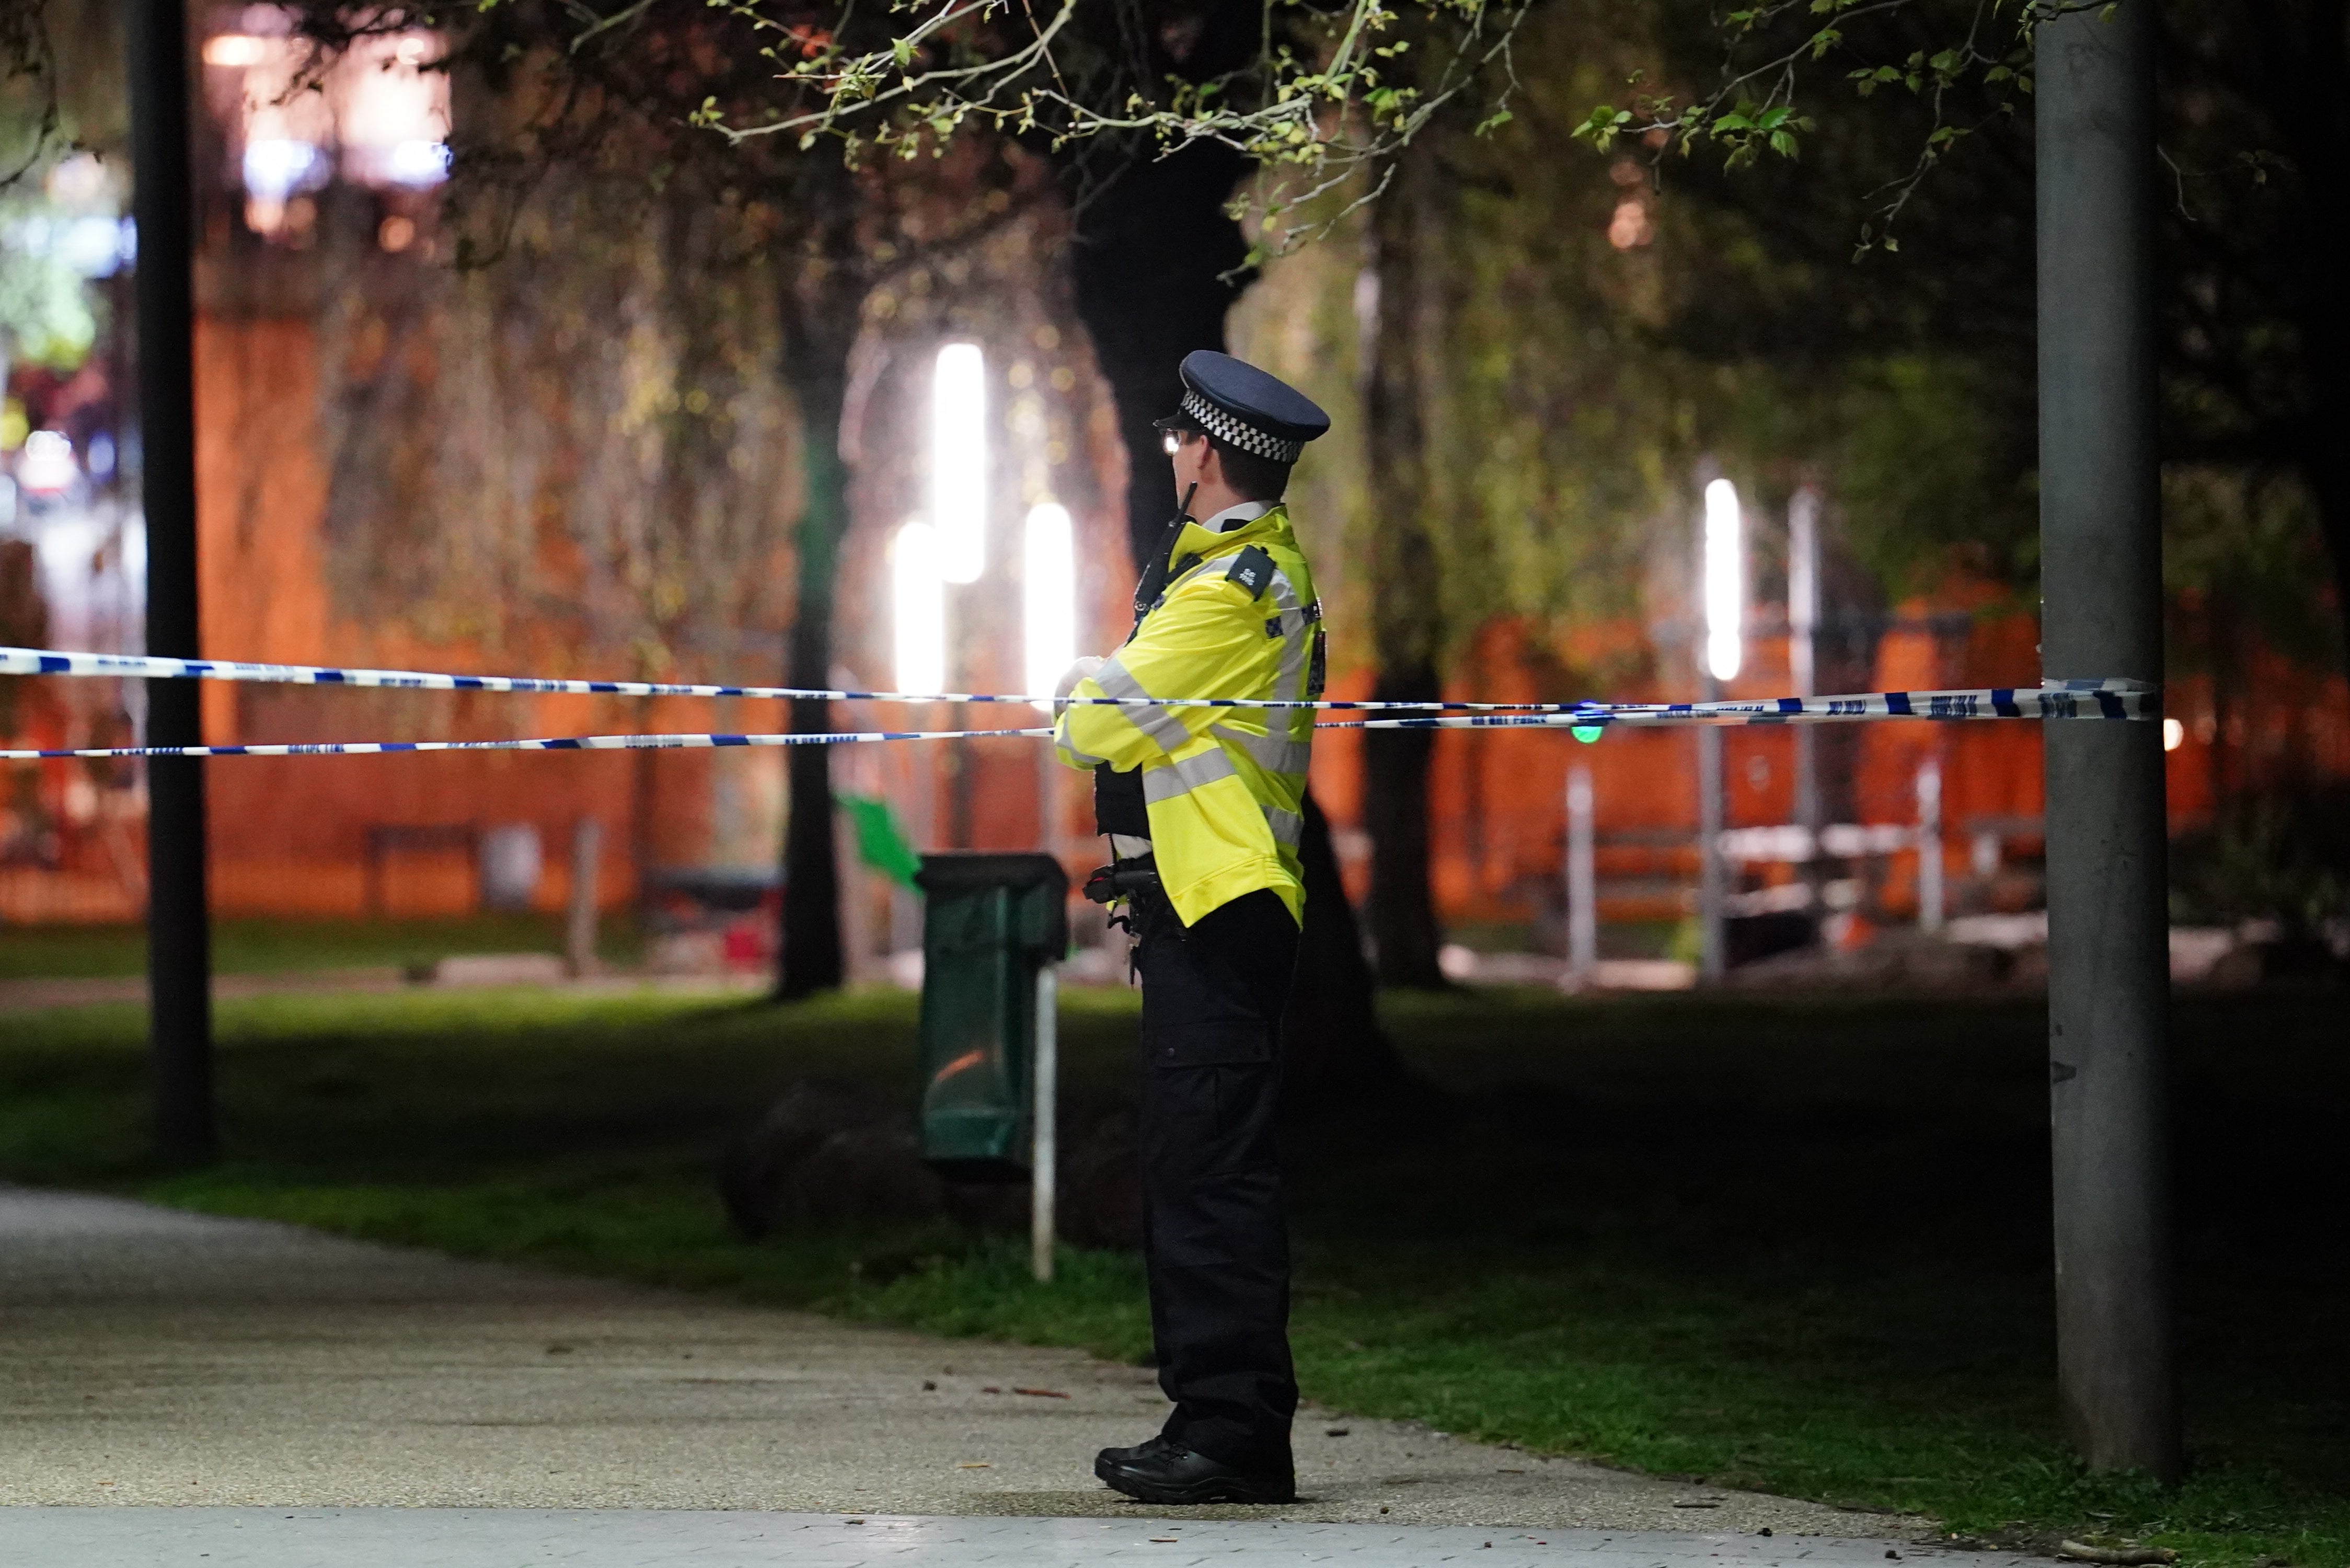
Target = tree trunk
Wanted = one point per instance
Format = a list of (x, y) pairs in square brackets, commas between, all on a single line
[(2301, 51), (1333, 1051), (1151, 263), (1406, 603), (1404, 928), (2325, 321), (812, 960), (822, 308), (1152, 255)]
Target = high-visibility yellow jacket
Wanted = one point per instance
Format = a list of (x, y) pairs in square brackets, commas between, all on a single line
[(1224, 787)]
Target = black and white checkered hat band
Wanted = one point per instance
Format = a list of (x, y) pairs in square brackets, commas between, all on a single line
[(1247, 437)]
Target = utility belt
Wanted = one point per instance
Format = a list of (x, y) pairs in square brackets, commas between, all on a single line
[(1129, 890), (1125, 880)]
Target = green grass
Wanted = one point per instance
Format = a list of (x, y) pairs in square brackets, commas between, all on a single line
[(1801, 1247), (266, 946)]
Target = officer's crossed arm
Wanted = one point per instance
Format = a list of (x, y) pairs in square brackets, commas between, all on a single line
[(1206, 640)]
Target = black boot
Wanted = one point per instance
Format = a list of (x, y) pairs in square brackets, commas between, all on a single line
[(1147, 1449), (1166, 1472)]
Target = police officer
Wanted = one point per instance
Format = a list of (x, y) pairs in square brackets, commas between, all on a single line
[(1203, 809)]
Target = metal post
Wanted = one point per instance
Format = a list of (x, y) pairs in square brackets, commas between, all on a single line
[(579, 927), (1802, 669), (1582, 885), (1045, 1112), (1712, 881), (2101, 579), (1929, 847), (179, 936)]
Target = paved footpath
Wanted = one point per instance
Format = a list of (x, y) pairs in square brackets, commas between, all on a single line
[(454, 1538), (304, 1399)]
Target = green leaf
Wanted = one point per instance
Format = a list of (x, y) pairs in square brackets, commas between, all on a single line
[(1783, 144), (904, 49)]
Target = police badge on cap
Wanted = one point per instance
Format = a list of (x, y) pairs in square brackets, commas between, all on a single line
[(1242, 406)]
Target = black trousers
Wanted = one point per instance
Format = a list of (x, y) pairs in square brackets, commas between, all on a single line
[(1214, 1238)]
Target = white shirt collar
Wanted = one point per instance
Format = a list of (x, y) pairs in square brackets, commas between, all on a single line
[(1240, 516)]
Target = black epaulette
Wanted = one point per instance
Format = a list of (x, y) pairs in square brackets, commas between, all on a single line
[(1253, 569)]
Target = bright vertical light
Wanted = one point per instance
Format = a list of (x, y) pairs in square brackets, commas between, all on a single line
[(917, 609), (235, 50), (959, 460), (1725, 580), (1048, 576), (2174, 734)]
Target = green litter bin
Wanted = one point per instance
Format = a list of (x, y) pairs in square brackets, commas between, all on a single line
[(991, 925)]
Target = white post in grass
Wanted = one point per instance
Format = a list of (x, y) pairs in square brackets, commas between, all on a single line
[(579, 921), (1582, 885), (1803, 672), (1930, 846), (1046, 1080), (1723, 558)]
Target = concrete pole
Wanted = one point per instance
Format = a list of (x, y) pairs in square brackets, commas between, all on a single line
[(2101, 585), (1713, 885), (1803, 669), (1044, 1114), (1929, 847), (579, 925), (179, 932), (1582, 884)]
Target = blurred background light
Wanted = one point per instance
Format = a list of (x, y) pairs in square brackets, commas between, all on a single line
[(959, 461), (378, 111), (48, 465), (391, 115), (276, 167), (235, 50), (417, 163), (1725, 580), (1049, 586), (917, 609)]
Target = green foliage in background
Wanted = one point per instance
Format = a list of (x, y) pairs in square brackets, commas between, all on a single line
[(60, 91), (48, 315)]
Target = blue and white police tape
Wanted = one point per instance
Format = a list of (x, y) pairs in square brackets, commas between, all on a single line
[(1870, 705), (1585, 721), (550, 743)]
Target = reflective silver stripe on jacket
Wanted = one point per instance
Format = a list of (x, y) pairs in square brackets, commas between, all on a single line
[(1165, 782), (1297, 633), (1273, 754), (1288, 827), (1149, 718)]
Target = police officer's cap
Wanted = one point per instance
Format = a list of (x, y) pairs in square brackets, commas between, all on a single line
[(1241, 405)]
